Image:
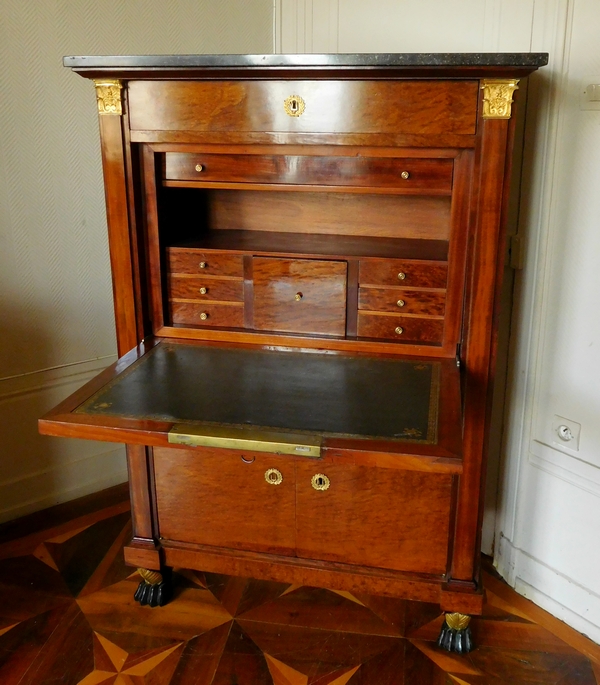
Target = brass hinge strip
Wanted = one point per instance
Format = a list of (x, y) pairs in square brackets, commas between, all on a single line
[(252, 440)]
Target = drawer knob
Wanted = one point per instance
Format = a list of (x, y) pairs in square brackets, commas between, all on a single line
[(199, 167), (294, 105), (203, 291), (298, 297), (273, 476), (320, 481), (400, 303), (203, 265), (401, 275), (405, 175), (204, 316), (399, 330)]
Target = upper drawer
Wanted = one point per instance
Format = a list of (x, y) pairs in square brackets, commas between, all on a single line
[(413, 175), (405, 272), (394, 107), (194, 261)]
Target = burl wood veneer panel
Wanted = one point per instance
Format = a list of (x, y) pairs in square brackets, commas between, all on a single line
[(374, 517)]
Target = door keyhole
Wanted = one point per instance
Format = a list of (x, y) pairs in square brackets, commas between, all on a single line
[(320, 482)]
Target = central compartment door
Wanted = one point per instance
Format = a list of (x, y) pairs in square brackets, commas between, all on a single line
[(300, 295)]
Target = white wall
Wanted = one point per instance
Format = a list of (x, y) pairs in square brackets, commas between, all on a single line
[(546, 522), (56, 320)]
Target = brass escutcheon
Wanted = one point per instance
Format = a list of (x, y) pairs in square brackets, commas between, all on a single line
[(320, 481), (203, 291), (273, 476), (399, 330), (405, 175), (401, 303), (199, 167), (294, 105), (204, 316)]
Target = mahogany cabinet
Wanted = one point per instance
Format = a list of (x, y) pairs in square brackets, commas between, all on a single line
[(307, 254)]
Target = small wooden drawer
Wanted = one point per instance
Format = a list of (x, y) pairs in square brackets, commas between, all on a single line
[(216, 315), (206, 288), (400, 328), (422, 302), (433, 176), (300, 295), (403, 272), (193, 261)]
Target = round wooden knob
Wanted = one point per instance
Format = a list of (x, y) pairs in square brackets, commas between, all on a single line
[(405, 175), (203, 291), (320, 481), (273, 476), (204, 316), (399, 330)]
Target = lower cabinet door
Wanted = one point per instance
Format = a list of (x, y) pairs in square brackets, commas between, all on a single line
[(226, 499), (385, 518)]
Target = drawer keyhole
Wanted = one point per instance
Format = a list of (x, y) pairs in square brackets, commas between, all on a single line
[(320, 482), (294, 106)]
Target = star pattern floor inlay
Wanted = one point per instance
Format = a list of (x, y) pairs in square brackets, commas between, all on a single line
[(67, 616)]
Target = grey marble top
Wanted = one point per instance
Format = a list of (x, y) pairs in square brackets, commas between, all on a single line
[(530, 60)]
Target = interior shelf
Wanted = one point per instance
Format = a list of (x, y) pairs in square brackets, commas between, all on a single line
[(319, 245)]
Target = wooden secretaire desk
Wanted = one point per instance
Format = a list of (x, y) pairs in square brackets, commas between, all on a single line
[(307, 252)]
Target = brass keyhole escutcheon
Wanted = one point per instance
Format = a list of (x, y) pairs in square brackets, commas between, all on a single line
[(399, 330), (203, 291), (298, 297), (204, 316), (199, 167), (273, 476), (320, 481), (401, 303), (294, 106), (203, 265), (405, 175), (401, 276)]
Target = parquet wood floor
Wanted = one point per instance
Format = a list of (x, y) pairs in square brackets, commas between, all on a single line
[(67, 616)]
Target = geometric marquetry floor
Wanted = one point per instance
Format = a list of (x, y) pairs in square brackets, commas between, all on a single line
[(67, 617)]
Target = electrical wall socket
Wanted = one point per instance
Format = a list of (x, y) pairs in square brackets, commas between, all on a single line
[(589, 94), (565, 433)]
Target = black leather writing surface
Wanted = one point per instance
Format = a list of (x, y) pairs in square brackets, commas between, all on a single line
[(316, 392)]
